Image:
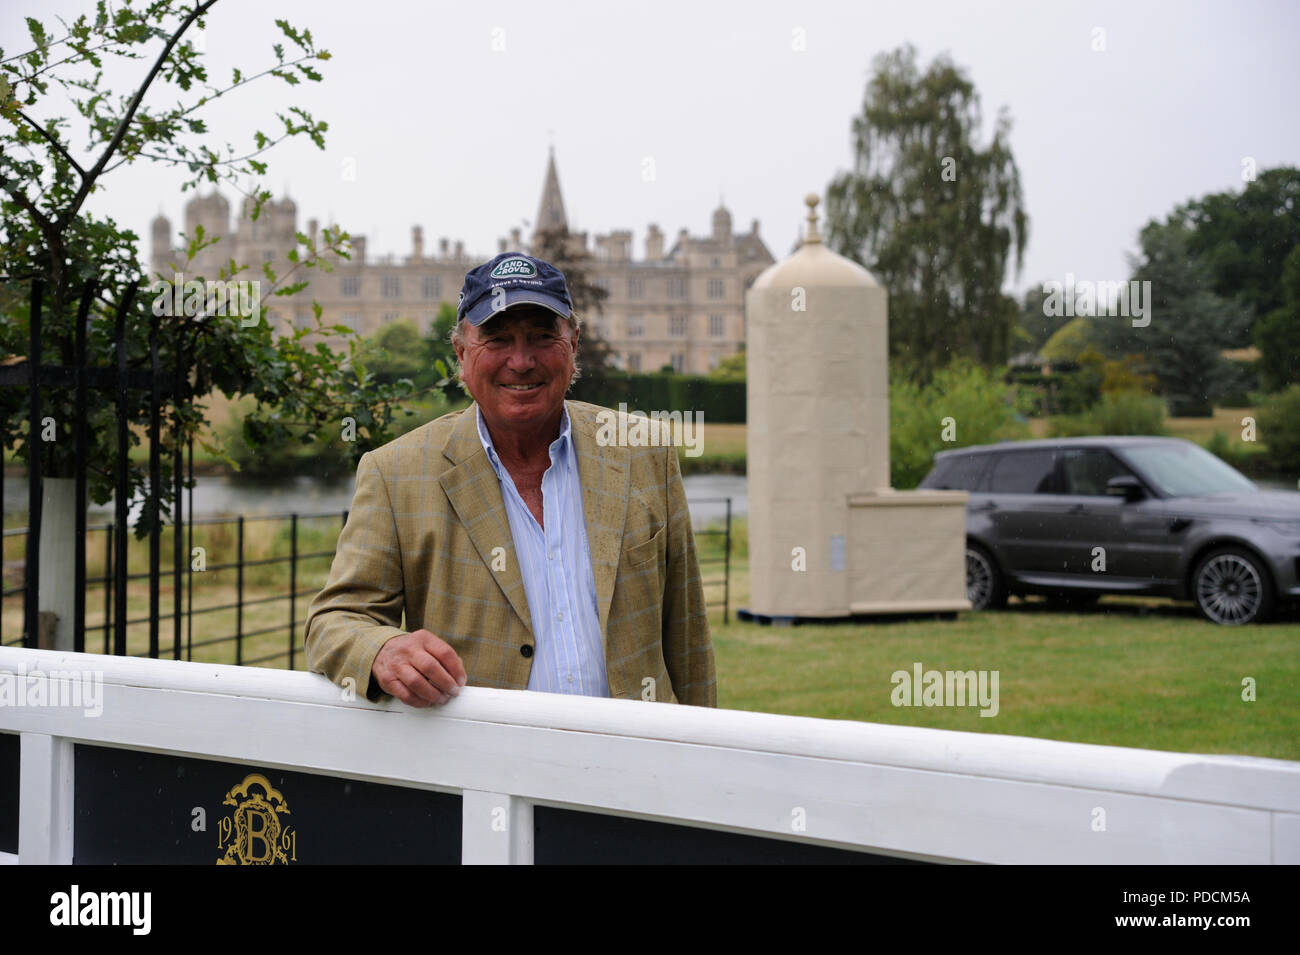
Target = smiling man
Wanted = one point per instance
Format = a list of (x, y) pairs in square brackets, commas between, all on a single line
[(523, 552)]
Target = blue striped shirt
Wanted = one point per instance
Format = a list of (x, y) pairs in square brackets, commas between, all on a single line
[(555, 564)]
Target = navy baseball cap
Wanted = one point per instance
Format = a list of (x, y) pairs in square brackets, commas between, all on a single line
[(510, 279)]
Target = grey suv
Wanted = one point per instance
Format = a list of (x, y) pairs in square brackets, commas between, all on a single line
[(1076, 518)]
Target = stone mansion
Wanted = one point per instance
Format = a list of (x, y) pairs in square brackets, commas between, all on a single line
[(681, 306)]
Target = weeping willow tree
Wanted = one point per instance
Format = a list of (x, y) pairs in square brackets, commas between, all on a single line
[(932, 213)]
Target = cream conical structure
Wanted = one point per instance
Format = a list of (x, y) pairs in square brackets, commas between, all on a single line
[(827, 535)]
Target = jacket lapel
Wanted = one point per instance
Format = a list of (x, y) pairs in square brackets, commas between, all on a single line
[(475, 495), (604, 474)]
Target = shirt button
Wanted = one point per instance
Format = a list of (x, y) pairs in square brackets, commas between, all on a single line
[(569, 678), (526, 650), (559, 616)]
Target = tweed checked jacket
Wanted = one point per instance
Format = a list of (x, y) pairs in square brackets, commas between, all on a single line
[(428, 526)]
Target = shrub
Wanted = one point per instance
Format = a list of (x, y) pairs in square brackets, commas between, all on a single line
[(1076, 387), (978, 403), (1123, 412), (1279, 429)]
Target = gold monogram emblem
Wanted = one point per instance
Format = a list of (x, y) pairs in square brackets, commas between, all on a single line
[(252, 832)]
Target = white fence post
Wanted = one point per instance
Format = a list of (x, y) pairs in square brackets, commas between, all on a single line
[(497, 829), (45, 801)]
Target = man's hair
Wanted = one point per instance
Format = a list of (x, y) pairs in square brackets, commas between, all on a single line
[(458, 332)]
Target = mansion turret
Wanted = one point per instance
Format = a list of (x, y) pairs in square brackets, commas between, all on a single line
[(682, 304)]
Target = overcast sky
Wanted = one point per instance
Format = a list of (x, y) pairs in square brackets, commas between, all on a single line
[(449, 133)]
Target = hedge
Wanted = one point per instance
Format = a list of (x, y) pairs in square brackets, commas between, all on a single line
[(721, 401)]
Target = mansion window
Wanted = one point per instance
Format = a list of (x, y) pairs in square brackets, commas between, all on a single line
[(432, 286), (679, 363), (392, 286), (677, 288), (634, 361), (715, 326), (635, 326), (715, 288), (677, 327), (351, 285)]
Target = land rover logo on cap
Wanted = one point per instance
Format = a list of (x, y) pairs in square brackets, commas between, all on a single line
[(514, 268)]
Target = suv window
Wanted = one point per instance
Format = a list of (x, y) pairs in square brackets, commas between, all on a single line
[(1023, 472), (1087, 470), (961, 472)]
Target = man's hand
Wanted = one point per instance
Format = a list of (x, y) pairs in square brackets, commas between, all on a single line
[(419, 668)]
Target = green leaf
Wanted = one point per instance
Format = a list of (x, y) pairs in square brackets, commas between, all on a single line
[(37, 31)]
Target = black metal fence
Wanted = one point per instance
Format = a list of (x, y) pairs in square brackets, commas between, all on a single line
[(241, 565), (241, 639), (708, 563), (163, 385)]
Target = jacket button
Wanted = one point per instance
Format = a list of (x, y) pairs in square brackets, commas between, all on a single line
[(526, 649)]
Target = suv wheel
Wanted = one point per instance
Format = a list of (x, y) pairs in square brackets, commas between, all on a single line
[(1231, 586), (984, 586)]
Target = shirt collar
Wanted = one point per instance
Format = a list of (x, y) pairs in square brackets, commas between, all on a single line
[(560, 444)]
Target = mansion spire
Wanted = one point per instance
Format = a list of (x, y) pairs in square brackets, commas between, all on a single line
[(550, 214)]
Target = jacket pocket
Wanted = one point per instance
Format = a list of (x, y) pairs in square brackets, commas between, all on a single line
[(644, 552)]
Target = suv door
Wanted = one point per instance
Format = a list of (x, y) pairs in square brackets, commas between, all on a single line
[(1093, 543), (1133, 535), (1026, 510)]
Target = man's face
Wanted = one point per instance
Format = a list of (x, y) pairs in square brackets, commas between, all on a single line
[(517, 365)]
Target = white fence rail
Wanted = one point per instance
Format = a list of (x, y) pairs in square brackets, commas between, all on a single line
[(887, 790)]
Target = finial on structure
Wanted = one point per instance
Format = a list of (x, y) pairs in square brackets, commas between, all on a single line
[(813, 235)]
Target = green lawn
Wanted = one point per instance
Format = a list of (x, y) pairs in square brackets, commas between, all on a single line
[(1128, 673)]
